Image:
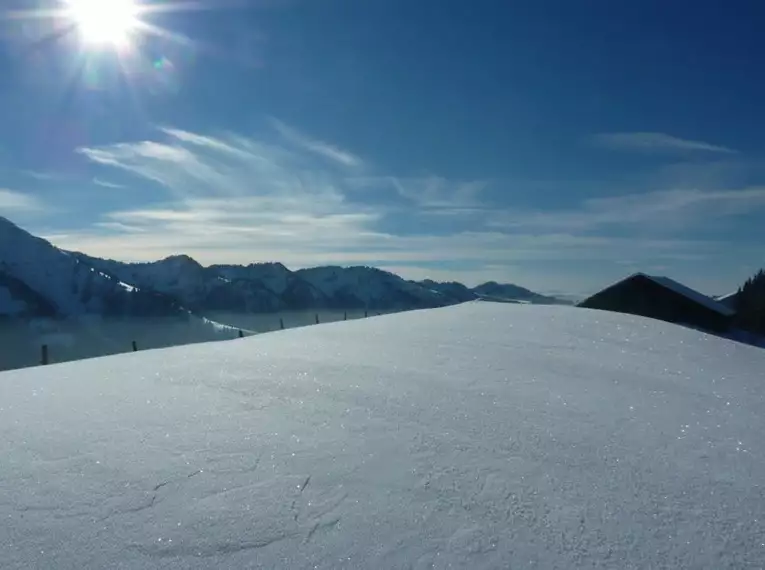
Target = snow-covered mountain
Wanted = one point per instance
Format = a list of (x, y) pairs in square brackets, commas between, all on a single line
[(198, 288), (52, 297), (509, 292), (354, 287), (491, 291), (40, 278), (269, 287), (452, 289), (291, 291), (37, 278), (275, 276)]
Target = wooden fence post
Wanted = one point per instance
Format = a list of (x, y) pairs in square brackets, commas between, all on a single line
[(345, 316), (281, 323), (366, 314), (44, 354), (135, 346), (317, 318), (241, 334)]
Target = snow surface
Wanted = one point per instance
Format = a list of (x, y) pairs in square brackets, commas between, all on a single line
[(476, 436)]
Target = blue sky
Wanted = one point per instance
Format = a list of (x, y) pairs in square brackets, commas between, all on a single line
[(559, 145)]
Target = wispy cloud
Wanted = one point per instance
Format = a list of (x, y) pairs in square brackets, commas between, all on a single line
[(237, 199), (303, 221), (42, 176), (211, 143), (321, 148), (192, 165), (226, 232), (118, 227), (442, 195), (107, 184), (661, 211), (12, 201), (434, 194), (652, 142), (151, 160), (236, 196)]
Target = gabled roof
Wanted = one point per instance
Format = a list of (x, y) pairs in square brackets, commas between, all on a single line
[(688, 293), (728, 300)]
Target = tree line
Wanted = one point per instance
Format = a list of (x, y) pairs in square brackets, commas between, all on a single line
[(750, 304)]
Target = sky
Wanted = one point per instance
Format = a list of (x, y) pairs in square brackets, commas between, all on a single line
[(554, 144)]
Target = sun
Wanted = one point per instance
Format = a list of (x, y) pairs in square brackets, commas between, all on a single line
[(104, 22)]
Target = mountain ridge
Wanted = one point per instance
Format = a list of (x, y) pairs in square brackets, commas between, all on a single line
[(98, 286)]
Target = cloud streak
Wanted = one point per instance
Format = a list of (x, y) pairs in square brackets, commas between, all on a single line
[(42, 176), (660, 211), (107, 184), (653, 142), (12, 201), (321, 148), (191, 166), (432, 194)]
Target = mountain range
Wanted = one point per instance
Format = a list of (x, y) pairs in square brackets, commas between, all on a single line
[(50, 289), (38, 279)]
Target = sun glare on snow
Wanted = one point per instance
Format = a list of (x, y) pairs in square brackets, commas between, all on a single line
[(104, 22)]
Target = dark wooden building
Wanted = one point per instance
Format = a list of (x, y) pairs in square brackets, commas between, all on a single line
[(664, 299)]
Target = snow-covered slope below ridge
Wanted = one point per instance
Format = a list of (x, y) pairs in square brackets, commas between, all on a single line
[(70, 287), (477, 436)]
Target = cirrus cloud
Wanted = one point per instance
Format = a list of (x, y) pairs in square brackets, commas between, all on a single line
[(654, 142), (230, 198), (12, 201)]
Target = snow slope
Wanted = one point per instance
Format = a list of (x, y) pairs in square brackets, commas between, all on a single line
[(476, 436), (68, 286)]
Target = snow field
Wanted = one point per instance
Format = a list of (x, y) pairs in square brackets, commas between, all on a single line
[(477, 436)]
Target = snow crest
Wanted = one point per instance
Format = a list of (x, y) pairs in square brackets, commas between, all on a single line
[(476, 436)]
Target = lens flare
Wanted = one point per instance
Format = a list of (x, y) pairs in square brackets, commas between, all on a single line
[(104, 22)]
